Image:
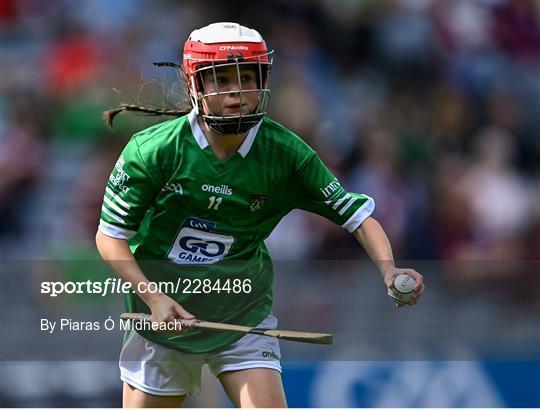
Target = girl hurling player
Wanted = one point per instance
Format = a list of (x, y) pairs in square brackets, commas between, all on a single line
[(202, 192)]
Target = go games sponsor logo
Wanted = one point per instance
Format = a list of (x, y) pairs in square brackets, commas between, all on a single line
[(196, 244)]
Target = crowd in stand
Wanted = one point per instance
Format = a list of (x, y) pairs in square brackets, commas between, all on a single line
[(430, 107)]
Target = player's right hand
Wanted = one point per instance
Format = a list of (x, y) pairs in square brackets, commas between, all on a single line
[(166, 309)]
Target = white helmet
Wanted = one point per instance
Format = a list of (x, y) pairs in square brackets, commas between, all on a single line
[(227, 44)]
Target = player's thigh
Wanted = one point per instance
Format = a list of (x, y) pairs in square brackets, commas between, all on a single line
[(134, 398), (257, 387)]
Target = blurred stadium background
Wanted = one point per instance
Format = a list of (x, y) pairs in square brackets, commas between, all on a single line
[(430, 107)]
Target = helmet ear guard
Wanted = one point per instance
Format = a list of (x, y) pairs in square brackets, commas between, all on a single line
[(221, 45)]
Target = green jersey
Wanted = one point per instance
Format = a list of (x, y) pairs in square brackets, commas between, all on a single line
[(196, 217)]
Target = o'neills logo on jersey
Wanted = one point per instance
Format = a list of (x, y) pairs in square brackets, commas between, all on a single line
[(222, 189)]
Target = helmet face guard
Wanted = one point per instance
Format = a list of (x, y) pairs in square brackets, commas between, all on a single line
[(232, 47), (234, 124)]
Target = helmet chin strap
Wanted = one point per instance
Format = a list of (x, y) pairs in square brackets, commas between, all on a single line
[(232, 125)]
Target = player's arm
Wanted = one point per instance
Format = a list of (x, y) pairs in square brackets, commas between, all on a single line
[(117, 254), (317, 190), (373, 239), (130, 192)]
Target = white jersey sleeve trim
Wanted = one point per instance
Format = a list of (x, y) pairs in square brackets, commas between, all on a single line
[(114, 206), (112, 215), (340, 201), (114, 231), (117, 198), (347, 206), (360, 215)]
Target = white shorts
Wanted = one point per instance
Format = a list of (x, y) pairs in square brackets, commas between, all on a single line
[(161, 371)]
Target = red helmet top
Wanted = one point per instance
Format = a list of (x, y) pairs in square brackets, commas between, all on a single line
[(197, 53)]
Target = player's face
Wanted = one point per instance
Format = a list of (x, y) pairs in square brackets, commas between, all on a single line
[(226, 81)]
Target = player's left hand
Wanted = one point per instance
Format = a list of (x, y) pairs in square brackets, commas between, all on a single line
[(418, 288)]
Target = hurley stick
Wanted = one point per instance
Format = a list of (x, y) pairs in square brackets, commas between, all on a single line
[(295, 336)]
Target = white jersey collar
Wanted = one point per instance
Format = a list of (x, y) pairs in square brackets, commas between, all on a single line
[(203, 142), (250, 139), (196, 130)]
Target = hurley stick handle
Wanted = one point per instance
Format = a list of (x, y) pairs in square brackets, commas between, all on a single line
[(292, 335)]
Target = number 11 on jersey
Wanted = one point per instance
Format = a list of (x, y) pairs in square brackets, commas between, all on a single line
[(214, 202)]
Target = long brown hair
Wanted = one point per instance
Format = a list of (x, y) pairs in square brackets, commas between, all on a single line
[(185, 103), (108, 116)]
